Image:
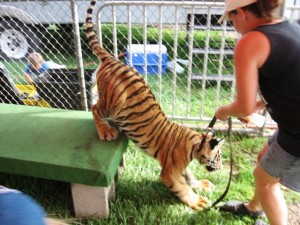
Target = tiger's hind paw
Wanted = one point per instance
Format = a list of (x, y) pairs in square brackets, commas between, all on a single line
[(107, 133), (206, 186), (202, 185)]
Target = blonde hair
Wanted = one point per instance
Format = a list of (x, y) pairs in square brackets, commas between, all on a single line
[(35, 59)]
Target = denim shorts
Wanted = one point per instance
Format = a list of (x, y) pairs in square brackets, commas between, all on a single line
[(281, 164)]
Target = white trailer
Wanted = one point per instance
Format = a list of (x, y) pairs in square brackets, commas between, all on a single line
[(22, 23)]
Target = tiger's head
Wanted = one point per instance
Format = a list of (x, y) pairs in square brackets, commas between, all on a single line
[(209, 152)]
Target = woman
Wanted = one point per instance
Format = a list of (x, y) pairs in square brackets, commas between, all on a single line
[(267, 62)]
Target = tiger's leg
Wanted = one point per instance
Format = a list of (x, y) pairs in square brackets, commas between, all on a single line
[(177, 184), (202, 185), (105, 131)]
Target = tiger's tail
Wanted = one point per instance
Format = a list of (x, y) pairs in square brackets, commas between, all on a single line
[(91, 36)]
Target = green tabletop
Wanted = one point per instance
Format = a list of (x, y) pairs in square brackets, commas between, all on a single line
[(57, 144)]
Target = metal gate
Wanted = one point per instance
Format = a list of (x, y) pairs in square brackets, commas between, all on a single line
[(198, 77)]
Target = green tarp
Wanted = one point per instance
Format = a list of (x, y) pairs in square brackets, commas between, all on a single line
[(56, 144)]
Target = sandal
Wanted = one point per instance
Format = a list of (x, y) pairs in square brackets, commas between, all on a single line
[(239, 208)]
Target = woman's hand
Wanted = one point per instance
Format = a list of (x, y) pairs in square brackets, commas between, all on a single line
[(221, 113)]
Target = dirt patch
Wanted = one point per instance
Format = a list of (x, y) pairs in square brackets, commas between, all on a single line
[(294, 215)]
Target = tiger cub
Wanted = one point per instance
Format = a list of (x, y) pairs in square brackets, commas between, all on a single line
[(126, 99)]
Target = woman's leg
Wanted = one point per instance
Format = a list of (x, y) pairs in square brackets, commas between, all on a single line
[(254, 205), (271, 197), (268, 195)]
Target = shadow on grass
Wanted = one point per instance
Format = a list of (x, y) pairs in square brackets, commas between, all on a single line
[(54, 196)]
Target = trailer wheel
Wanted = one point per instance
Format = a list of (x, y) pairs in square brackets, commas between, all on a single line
[(17, 39)]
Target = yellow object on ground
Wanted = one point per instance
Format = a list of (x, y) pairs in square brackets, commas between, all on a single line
[(30, 96)]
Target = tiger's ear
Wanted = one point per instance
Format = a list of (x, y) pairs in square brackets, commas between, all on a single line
[(216, 142)]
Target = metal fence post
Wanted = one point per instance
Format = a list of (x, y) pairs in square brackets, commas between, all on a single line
[(79, 55)]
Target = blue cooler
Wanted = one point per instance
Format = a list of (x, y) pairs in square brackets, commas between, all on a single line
[(152, 58)]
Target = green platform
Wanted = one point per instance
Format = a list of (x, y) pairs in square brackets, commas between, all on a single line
[(56, 144)]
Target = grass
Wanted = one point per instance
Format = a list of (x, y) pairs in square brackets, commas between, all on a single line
[(142, 199)]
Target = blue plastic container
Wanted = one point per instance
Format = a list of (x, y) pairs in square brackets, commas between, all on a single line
[(152, 57)]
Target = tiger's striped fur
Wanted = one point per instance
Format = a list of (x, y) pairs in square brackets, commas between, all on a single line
[(125, 98)]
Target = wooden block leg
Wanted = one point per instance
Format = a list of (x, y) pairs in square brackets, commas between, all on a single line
[(112, 192), (91, 201)]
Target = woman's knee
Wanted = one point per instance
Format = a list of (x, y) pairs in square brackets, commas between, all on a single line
[(262, 177), (262, 152)]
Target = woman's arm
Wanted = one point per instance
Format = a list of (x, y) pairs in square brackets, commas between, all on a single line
[(250, 54)]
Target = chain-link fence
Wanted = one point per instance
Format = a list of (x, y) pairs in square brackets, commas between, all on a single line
[(183, 53), (46, 27)]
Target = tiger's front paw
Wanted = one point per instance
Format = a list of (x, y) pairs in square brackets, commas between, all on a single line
[(195, 201), (107, 133), (201, 204)]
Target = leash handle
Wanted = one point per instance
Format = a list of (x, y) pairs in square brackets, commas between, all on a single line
[(212, 123), (231, 165)]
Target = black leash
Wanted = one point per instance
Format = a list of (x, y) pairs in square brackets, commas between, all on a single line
[(210, 128)]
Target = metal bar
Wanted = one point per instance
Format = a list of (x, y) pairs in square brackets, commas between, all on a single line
[(190, 70), (205, 63), (220, 68), (129, 37), (78, 51), (115, 36), (175, 49), (99, 30), (160, 54), (145, 41), (164, 3)]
